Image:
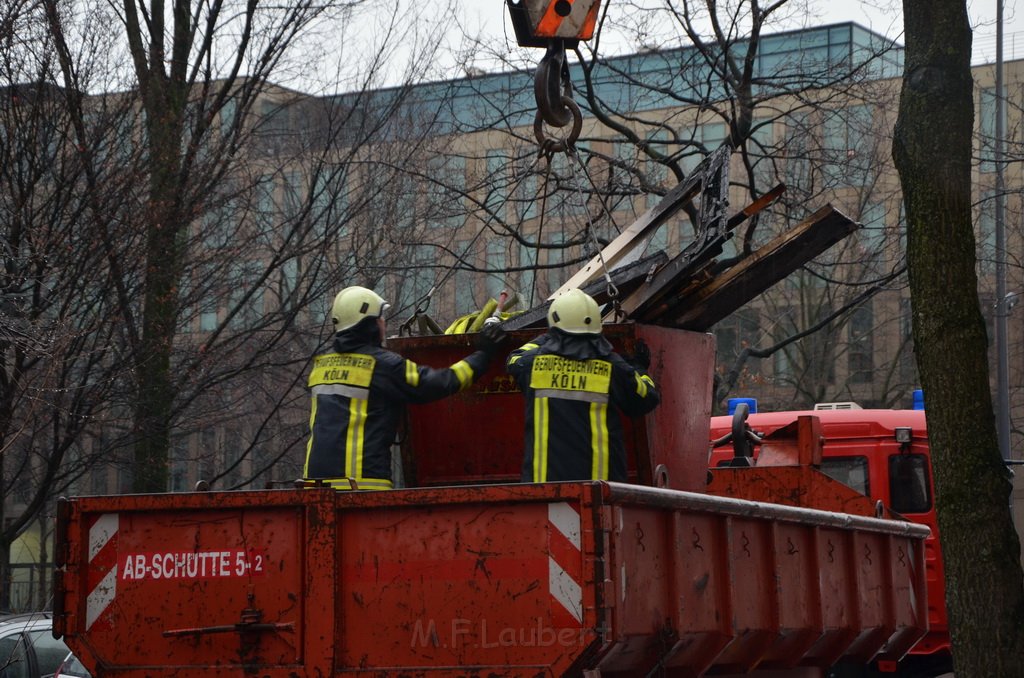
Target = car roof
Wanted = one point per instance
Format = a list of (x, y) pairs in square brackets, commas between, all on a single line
[(29, 620)]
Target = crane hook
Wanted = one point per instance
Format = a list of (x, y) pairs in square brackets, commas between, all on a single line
[(551, 85)]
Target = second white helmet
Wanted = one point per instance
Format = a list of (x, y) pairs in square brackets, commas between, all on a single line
[(575, 312), (352, 304)]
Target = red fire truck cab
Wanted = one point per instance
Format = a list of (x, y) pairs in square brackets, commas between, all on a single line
[(884, 455)]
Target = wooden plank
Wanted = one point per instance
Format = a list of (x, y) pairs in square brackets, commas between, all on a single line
[(707, 304), (626, 278), (687, 263), (616, 252)]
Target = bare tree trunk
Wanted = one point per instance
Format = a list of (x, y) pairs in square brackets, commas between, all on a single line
[(164, 105), (932, 150)]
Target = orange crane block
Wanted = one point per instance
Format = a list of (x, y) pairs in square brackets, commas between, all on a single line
[(537, 21)]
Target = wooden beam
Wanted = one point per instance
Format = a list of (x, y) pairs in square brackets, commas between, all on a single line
[(688, 262), (616, 252), (704, 305)]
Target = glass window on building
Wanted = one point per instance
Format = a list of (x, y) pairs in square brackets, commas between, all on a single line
[(293, 194), (98, 479), (986, 232), (657, 172), (861, 351), (739, 330), (709, 136), (908, 364), (797, 143), (330, 201), (272, 126), (125, 478), (181, 462), (417, 278), (873, 232), (219, 224), (245, 299), (659, 239), (554, 275), (208, 315), (527, 192), (455, 176), (987, 107), (227, 116), (443, 196), (624, 154), (762, 132), (207, 453), (496, 183), (782, 365), (528, 257), (847, 145), (289, 272), (761, 147), (233, 451), (497, 260), (187, 314), (464, 298)]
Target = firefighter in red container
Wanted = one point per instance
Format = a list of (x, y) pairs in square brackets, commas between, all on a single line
[(360, 389), (574, 383)]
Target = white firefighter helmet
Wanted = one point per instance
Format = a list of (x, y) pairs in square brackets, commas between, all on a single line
[(575, 312), (353, 304)]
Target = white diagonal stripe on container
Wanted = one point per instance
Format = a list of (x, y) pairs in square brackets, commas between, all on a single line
[(100, 597), (566, 520), (565, 590), (101, 532)]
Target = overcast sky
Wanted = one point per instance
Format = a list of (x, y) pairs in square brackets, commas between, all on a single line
[(490, 16)]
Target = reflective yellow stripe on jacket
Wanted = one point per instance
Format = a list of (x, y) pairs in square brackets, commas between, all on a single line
[(599, 441), (540, 440)]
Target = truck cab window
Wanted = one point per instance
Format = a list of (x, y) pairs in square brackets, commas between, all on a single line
[(908, 483), (850, 471)]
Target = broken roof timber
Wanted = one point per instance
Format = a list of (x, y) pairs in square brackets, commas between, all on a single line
[(704, 305)]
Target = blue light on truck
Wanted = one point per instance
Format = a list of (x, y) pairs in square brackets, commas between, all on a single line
[(751, 402)]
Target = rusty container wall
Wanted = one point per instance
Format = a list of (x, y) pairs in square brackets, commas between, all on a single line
[(477, 435), (682, 364), (158, 584), (507, 580), (730, 585)]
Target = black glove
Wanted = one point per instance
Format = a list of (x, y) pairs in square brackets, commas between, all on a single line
[(490, 338), (641, 358)]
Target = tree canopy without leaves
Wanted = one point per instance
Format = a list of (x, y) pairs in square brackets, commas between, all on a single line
[(240, 190)]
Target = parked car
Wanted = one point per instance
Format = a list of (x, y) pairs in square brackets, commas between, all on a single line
[(72, 668), (28, 648)]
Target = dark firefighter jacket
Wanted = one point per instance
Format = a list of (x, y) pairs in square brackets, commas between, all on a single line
[(359, 392), (573, 386)]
